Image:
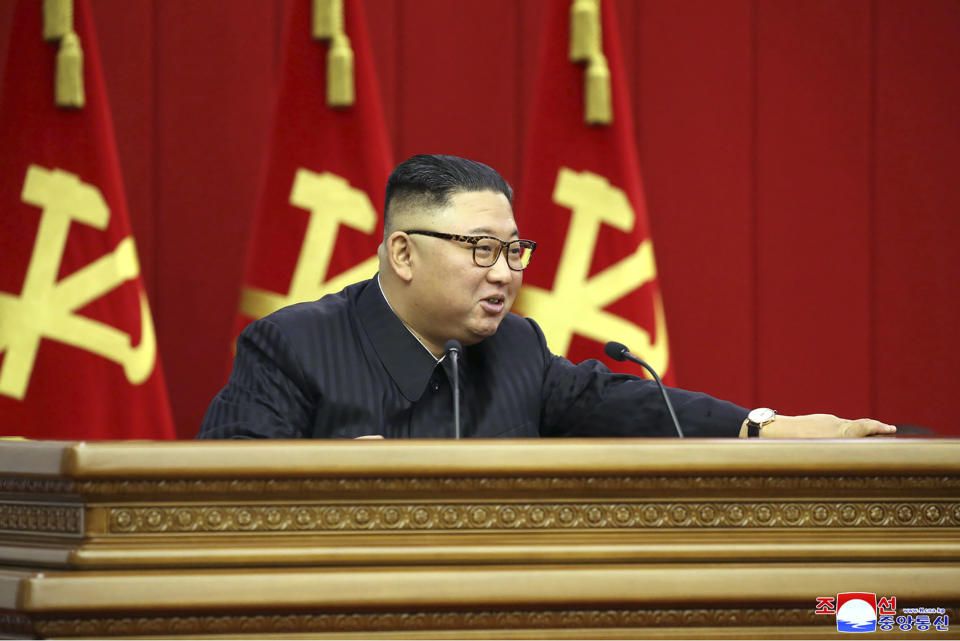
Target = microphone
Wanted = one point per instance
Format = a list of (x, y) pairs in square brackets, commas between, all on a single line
[(453, 349), (619, 352)]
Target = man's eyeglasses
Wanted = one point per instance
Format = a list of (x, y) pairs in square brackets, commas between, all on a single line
[(486, 249)]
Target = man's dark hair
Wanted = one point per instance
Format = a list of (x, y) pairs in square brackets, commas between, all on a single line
[(430, 180)]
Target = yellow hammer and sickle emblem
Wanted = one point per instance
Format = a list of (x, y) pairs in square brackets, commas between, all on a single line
[(575, 304), (331, 202), (45, 307)]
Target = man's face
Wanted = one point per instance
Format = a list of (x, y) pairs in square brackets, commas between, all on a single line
[(451, 297)]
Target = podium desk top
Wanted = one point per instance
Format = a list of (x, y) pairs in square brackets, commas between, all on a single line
[(89, 460)]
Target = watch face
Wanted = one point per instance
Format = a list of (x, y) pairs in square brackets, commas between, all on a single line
[(761, 415)]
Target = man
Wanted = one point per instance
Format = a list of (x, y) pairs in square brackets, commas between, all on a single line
[(370, 362)]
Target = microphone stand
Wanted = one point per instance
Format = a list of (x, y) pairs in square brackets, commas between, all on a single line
[(452, 349), (619, 352)]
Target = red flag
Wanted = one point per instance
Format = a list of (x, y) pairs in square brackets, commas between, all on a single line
[(78, 354), (317, 226), (593, 277)]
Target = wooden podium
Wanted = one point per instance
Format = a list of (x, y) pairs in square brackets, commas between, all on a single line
[(591, 538)]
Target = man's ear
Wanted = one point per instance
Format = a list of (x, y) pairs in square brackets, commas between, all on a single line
[(399, 249)]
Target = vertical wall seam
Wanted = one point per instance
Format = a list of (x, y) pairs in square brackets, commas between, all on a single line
[(155, 156), (753, 240), (872, 214), (519, 104), (398, 142), (637, 95), (279, 24)]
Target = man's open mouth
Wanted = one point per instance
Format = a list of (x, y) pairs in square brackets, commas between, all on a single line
[(493, 304)]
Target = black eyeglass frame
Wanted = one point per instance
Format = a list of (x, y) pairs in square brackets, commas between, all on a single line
[(473, 240)]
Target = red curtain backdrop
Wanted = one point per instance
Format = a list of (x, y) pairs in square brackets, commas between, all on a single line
[(799, 159)]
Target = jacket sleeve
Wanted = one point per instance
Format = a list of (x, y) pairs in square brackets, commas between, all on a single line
[(267, 395), (587, 399)]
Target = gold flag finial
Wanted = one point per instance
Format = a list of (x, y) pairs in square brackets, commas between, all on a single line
[(324, 25), (57, 18), (68, 79), (597, 106), (328, 24), (584, 29), (586, 45), (340, 89)]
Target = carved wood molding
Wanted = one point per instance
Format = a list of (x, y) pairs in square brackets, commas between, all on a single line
[(24, 485), (949, 484), (524, 516), (415, 621), (41, 518), (16, 626)]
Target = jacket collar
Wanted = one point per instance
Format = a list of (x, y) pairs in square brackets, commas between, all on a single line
[(407, 361)]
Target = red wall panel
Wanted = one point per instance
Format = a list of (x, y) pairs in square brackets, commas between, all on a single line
[(126, 39), (695, 133), (385, 40), (459, 81), (6, 23), (917, 212), (214, 82), (532, 15), (812, 203)]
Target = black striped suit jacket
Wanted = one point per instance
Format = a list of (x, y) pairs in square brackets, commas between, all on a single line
[(346, 366)]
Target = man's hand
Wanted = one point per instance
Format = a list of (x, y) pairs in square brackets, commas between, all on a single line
[(822, 426)]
